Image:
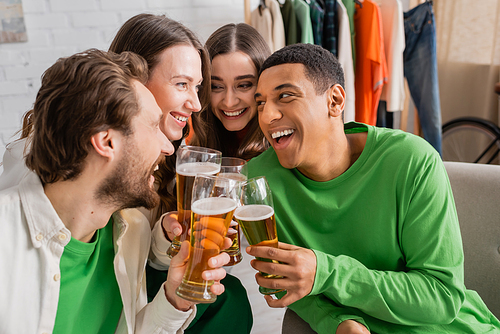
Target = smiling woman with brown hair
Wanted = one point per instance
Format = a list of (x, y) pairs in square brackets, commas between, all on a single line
[(179, 78), (236, 52)]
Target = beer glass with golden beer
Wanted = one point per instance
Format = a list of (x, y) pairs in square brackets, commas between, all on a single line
[(234, 168), (190, 161), (256, 219), (213, 202)]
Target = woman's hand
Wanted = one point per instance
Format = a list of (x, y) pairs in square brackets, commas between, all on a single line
[(170, 225)]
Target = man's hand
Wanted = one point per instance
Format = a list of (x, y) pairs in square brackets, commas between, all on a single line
[(178, 267), (351, 327), (298, 268), (170, 225)]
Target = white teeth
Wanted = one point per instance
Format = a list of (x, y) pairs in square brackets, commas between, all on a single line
[(278, 134), (236, 113), (181, 118)]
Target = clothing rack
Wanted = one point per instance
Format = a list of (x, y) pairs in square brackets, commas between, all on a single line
[(248, 10)]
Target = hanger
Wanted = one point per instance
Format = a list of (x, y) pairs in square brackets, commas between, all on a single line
[(262, 6), (429, 1), (359, 3)]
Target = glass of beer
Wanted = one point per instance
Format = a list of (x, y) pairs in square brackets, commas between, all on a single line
[(234, 168), (213, 202), (256, 219), (190, 161)]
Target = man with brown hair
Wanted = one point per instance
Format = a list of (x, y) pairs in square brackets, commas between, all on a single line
[(73, 258)]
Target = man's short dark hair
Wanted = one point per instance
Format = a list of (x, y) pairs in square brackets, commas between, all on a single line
[(322, 68), (80, 96)]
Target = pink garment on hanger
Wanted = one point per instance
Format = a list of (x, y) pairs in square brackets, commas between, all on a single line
[(394, 45)]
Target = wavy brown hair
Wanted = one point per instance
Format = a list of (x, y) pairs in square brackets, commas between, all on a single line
[(227, 39), (149, 35), (80, 96)]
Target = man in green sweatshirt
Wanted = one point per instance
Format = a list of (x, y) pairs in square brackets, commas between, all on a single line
[(368, 228)]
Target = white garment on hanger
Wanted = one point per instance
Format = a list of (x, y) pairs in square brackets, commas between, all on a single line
[(394, 43), (269, 23), (278, 25), (262, 21), (345, 59)]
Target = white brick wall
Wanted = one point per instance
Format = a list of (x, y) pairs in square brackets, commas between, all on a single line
[(58, 28)]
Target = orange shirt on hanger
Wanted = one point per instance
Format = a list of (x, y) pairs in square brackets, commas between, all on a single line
[(371, 66)]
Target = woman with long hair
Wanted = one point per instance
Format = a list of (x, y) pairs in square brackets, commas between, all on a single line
[(231, 125), (179, 78)]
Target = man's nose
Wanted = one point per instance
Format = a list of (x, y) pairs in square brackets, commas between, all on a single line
[(167, 148), (269, 114)]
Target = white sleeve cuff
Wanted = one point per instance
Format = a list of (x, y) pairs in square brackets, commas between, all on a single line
[(159, 246), (168, 317)]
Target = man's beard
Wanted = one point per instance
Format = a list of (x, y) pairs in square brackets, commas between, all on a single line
[(128, 186)]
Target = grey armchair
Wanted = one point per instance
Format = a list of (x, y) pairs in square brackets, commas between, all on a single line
[(476, 189)]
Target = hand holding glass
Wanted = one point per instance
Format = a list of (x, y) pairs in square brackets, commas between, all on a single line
[(213, 202), (236, 169), (190, 161), (256, 219)]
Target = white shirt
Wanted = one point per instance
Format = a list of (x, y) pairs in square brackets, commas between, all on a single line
[(345, 59), (31, 245), (393, 28)]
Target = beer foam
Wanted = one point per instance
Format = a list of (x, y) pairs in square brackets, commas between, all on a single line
[(213, 206), (253, 212), (194, 168)]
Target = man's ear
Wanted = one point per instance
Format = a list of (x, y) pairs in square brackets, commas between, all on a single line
[(336, 100), (104, 143)]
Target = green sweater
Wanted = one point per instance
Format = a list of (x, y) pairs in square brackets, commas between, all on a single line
[(386, 238)]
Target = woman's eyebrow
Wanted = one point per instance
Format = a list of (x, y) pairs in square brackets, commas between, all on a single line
[(245, 76)]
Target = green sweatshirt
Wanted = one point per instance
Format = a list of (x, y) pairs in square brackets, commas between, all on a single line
[(386, 238)]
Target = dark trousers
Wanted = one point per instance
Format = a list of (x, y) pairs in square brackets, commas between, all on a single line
[(230, 313)]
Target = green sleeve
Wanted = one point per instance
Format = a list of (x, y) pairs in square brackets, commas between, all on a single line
[(430, 289), (324, 316)]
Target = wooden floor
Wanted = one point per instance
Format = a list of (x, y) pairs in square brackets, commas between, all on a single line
[(265, 319)]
